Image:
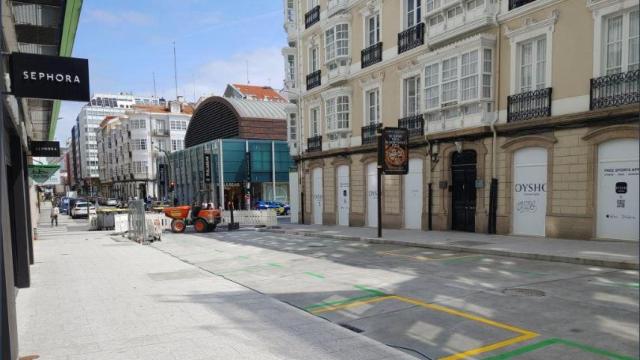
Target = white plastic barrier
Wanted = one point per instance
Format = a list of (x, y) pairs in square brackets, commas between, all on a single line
[(121, 223), (251, 217), (93, 222), (160, 221)]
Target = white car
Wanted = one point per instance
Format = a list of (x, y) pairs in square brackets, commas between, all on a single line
[(82, 209), (112, 202)]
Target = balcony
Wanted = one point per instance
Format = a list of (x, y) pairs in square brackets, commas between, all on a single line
[(415, 125), (513, 4), (314, 79), (160, 132), (529, 105), (311, 17), (371, 55), (411, 38), (369, 133), (470, 21), (314, 143), (615, 90), (335, 6)]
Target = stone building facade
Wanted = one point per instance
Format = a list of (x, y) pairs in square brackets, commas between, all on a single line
[(523, 114)]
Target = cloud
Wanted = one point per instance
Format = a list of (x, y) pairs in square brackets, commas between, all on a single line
[(266, 67), (128, 17)]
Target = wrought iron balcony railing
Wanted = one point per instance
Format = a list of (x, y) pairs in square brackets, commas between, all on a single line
[(615, 90), (311, 17), (529, 105), (517, 3), (371, 55), (314, 79), (314, 143), (411, 38), (369, 133), (415, 125)]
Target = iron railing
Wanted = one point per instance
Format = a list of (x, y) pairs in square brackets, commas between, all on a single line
[(369, 133), (161, 132), (311, 17), (371, 55), (529, 105), (615, 90), (314, 79), (314, 143), (415, 125), (517, 3), (411, 38)]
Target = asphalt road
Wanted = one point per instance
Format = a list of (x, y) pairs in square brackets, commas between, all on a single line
[(433, 304)]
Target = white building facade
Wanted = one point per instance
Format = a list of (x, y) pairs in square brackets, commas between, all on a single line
[(132, 145)]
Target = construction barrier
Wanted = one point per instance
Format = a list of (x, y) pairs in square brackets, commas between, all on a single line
[(121, 223), (93, 222), (251, 217)]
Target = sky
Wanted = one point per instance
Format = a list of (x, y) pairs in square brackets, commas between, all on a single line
[(127, 41)]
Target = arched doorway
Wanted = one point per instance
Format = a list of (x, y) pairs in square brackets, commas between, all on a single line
[(463, 192)]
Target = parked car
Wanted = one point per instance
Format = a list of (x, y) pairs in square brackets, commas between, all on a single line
[(82, 209), (282, 208), (111, 202), (264, 205)]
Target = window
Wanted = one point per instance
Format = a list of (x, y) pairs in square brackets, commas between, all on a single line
[(621, 43), (337, 42), (474, 4), (432, 4), (469, 75), (138, 124), (178, 125), (453, 12), (337, 113), (413, 12), (411, 96), (532, 64), (313, 59), (373, 29), (465, 77), (291, 15), (291, 67), (161, 124), (373, 106), (435, 20), (432, 93), (140, 167), (139, 144), (311, 4), (450, 80), (293, 133), (314, 122), (177, 145)]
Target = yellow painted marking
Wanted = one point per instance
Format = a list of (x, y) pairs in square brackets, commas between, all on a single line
[(524, 334), (350, 305)]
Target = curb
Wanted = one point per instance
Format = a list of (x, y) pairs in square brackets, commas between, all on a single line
[(623, 265)]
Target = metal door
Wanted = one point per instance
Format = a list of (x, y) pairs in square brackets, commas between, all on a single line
[(463, 197), (413, 195), (343, 195)]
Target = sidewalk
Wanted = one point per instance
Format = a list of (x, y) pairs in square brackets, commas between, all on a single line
[(97, 297), (613, 254)]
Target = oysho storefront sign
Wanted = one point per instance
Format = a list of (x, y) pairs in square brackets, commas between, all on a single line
[(49, 77)]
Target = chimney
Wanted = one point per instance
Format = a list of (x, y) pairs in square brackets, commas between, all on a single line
[(174, 107), (181, 99)]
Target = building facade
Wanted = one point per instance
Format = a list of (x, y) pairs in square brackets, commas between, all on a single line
[(132, 145), (88, 123), (522, 114)]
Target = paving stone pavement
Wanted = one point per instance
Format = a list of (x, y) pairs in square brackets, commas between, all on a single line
[(96, 298)]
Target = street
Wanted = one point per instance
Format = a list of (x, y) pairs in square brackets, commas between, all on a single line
[(432, 304)]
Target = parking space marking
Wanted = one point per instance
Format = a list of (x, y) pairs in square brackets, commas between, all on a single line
[(312, 274), (524, 335), (556, 341)]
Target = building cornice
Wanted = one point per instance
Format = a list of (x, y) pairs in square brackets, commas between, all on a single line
[(526, 9), (532, 25)]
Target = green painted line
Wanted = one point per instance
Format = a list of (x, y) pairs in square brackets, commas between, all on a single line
[(340, 302), (370, 290), (314, 275), (244, 257), (620, 284), (275, 265), (554, 341)]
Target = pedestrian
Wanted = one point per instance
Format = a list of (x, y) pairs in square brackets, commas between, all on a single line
[(55, 211)]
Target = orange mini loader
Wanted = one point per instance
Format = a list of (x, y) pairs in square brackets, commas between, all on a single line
[(204, 220)]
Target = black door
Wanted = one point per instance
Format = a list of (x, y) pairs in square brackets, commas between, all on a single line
[(463, 179)]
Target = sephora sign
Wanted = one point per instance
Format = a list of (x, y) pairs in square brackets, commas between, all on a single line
[(49, 77)]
